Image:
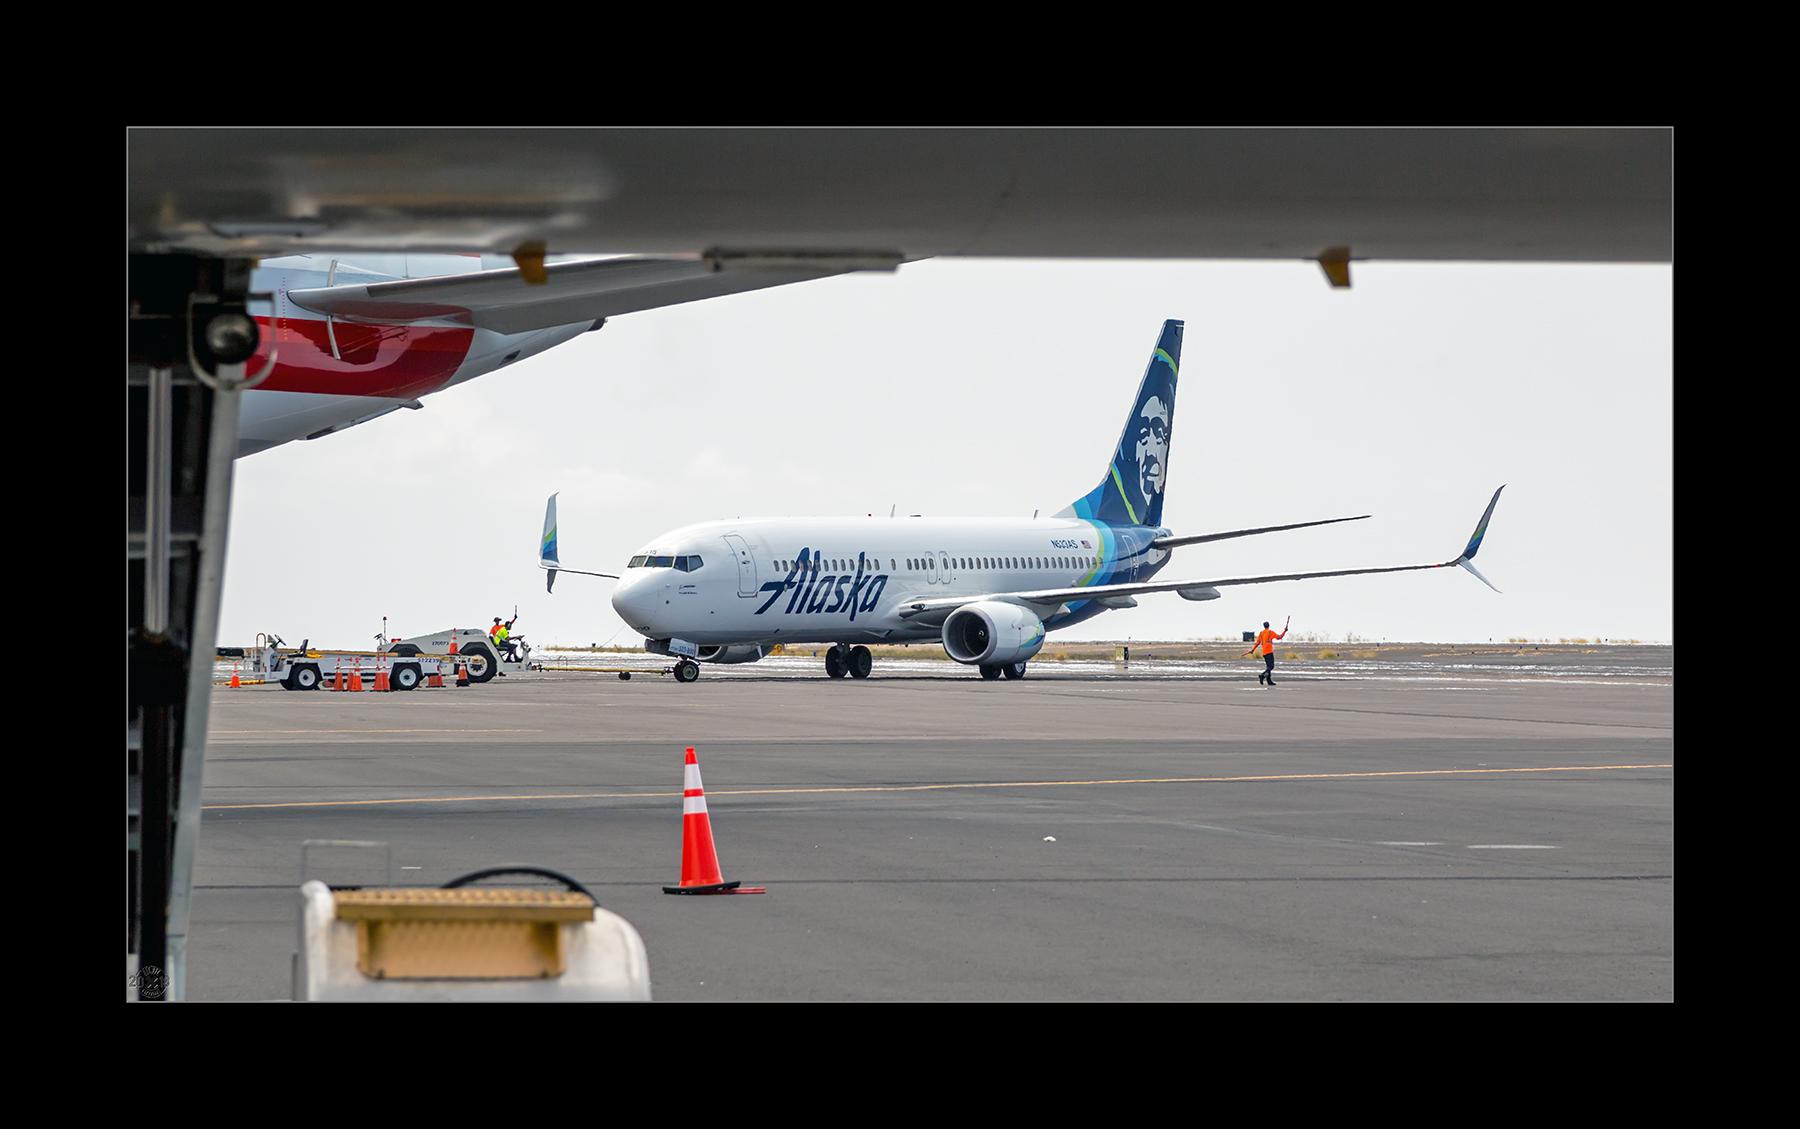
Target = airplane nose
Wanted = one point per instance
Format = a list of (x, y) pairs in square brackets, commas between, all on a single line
[(634, 599)]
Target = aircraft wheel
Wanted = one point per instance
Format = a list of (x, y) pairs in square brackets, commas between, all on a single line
[(990, 671), (860, 662), (1014, 671), (404, 677), (834, 662), (624, 676), (480, 660), (687, 671), (305, 677)]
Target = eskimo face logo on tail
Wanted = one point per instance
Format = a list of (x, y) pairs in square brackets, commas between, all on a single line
[(1131, 490), (1153, 447), (815, 592)]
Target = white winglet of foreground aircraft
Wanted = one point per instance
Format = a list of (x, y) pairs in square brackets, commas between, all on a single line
[(989, 588)]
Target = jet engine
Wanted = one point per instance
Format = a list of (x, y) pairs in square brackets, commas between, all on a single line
[(745, 653), (991, 632), (710, 652)]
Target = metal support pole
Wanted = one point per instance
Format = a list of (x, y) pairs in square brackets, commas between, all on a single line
[(159, 443), (190, 334), (227, 402)]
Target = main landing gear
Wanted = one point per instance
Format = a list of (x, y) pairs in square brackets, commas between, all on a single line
[(1013, 671), (854, 661)]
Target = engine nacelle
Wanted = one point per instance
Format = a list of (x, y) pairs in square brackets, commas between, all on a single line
[(992, 632), (707, 652), (744, 653)]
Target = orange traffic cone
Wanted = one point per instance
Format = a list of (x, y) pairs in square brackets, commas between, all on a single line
[(699, 861), (234, 676), (462, 674), (356, 677), (382, 682)]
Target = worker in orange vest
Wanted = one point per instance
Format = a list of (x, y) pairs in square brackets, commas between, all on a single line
[(1265, 639)]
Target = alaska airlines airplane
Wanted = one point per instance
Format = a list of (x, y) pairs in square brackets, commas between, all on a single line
[(989, 588)]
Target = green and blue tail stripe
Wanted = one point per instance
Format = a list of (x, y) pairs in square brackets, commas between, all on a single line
[(1131, 491)]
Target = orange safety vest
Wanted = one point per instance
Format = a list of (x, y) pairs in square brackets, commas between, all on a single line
[(1266, 640)]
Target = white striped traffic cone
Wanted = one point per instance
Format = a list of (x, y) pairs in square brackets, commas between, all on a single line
[(699, 860)]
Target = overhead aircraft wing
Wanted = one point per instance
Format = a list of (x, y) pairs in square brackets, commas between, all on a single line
[(504, 302), (1051, 598)]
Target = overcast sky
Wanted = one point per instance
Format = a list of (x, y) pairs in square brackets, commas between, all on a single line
[(972, 387)]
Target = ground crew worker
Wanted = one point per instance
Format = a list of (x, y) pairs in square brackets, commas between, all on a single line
[(501, 635), (1266, 640)]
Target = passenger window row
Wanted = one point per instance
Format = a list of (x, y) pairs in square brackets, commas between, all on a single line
[(835, 564), (916, 564), (692, 563)]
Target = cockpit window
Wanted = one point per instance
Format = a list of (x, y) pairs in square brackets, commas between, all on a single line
[(637, 562), (688, 564)]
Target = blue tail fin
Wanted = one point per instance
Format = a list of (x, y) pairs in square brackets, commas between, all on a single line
[(1131, 492)]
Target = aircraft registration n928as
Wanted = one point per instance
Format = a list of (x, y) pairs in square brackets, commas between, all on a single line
[(988, 588), (345, 341)]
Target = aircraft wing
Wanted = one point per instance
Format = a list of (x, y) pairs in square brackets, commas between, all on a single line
[(504, 302), (1052, 598), (1166, 543)]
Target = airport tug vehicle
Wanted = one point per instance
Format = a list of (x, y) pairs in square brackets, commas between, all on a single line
[(406, 664)]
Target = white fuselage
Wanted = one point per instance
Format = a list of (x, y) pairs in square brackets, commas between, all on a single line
[(328, 377), (842, 580)]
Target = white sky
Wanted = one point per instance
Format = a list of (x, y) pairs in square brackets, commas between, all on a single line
[(972, 387)]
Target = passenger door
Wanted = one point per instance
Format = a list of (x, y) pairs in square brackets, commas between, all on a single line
[(746, 565)]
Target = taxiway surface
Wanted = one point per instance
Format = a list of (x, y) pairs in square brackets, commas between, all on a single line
[(1453, 829)]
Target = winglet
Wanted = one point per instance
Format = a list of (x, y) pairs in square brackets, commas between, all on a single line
[(1468, 554), (1477, 575), (547, 558), (1474, 545), (547, 546)]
